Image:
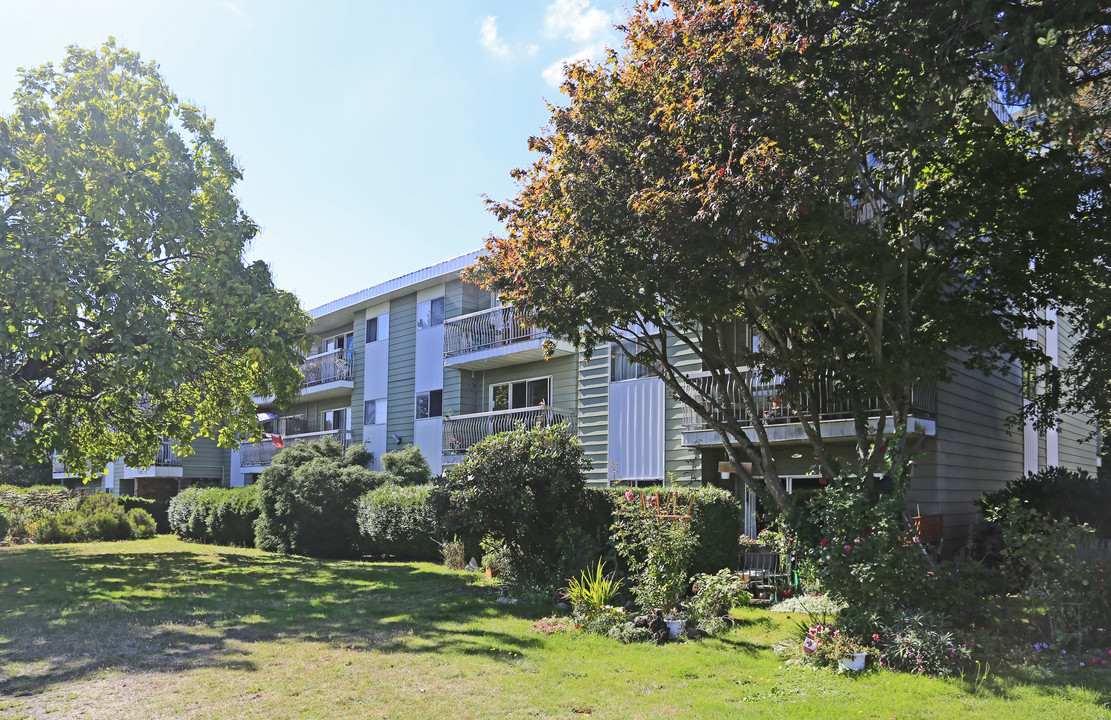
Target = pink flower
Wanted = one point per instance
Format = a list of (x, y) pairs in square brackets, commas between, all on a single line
[(823, 543), (848, 548), (629, 495)]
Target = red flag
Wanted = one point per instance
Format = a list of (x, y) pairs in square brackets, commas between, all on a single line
[(276, 439)]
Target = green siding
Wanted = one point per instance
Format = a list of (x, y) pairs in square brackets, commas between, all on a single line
[(592, 410), (975, 450), (208, 461), (1077, 447), (680, 462), (402, 370), (358, 374), (563, 371)]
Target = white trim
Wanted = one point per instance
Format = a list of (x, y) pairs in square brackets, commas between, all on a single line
[(490, 392)]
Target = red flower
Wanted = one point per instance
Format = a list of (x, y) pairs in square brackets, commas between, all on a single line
[(823, 543)]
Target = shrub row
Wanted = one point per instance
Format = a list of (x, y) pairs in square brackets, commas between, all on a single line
[(221, 516), (24, 506), (100, 516)]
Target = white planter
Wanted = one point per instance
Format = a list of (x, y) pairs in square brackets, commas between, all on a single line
[(853, 662), (675, 627)]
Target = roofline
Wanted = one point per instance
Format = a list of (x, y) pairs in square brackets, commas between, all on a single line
[(383, 290)]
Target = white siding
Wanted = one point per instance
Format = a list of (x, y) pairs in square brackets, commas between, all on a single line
[(429, 370), (428, 435), (636, 429)]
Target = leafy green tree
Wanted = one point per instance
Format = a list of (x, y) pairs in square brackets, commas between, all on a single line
[(126, 311), (839, 188), (409, 465)]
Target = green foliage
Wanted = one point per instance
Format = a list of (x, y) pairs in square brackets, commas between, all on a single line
[(807, 174), (519, 486), (453, 554), (821, 644), (99, 516), (714, 596), (143, 525), (921, 642), (1062, 564), (158, 509), (1061, 494), (23, 474), (494, 555), (590, 592), (5, 524), (857, 546), (129, 315), (308, 501), (399, 520), (25, 506), (221, 516), (409, 465), (658, 551)]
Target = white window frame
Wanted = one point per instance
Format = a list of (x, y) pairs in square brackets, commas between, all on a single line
[(346, 419), (511, 383), (426, 317), (427, 394)]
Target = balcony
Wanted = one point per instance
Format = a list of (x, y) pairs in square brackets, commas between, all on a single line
[(781, 423), (262, 453), (463, 431), (327, 374), (494, 338)]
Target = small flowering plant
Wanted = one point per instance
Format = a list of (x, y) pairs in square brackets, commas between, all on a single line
[(824, 646), (750, 543)]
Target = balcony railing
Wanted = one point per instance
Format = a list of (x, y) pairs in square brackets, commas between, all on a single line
[(463, 431), (770, 405), (167, 456), (496, 327), (287, 425), (327, 367), (262, 453)]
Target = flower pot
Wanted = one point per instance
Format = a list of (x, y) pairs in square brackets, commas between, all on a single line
[(675, 628), (853, 662), (492, 572)]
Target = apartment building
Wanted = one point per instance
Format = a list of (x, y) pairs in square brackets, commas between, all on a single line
[(429, 360)]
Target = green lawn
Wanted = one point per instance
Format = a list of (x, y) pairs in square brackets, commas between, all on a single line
[(166, 629)]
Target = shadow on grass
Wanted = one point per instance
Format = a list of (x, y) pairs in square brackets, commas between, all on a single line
[(67, 612)]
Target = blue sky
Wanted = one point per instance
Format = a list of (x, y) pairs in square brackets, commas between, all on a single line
[(367, 131)]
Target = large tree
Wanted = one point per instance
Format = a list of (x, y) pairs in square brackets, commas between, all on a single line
[(128, 313), (825, 173)]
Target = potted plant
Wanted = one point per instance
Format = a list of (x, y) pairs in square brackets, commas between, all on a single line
[(494, 556)]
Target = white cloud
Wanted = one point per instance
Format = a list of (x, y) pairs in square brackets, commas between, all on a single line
[(553, 74), (576, 20), (489, 37)]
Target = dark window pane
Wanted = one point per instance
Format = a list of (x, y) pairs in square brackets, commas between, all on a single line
[(372, 330)]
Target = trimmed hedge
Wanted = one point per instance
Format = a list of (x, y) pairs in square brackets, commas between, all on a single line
[(220, 516), (399, 520), (715, 518)]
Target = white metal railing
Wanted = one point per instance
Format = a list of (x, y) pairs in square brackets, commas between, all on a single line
[(167, 456), (327, 367), (491, 328), (463, 431), (262, 453), (770, 404)]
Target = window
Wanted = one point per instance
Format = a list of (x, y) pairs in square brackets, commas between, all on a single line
[(378, 328), (430, 404), (335, 420), (622, 367), (520, 394), (430, 313), (374, 412)]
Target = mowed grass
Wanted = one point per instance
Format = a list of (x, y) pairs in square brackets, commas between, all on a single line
[(166, 629)]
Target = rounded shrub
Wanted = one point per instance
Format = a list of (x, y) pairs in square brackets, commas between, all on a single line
[(408, 465), (5, 524), (399, 520), (143, 525), (308, 501)]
